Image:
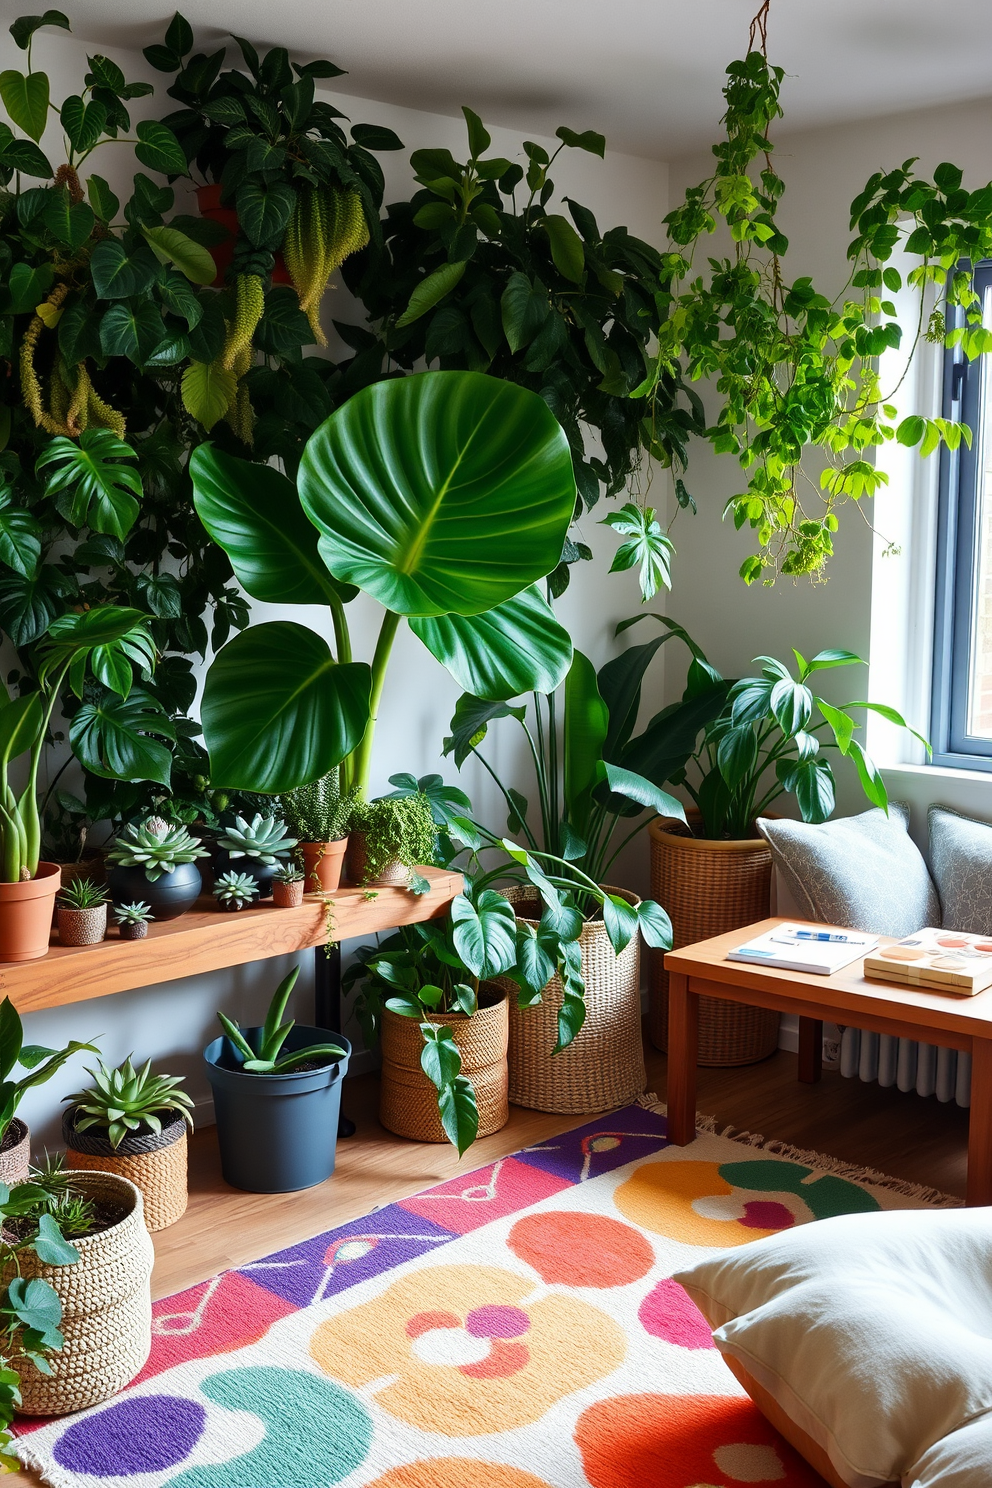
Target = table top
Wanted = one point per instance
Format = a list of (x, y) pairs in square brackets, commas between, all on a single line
[(848, 991)]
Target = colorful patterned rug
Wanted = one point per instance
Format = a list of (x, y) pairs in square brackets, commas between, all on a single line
[(515, 1327)]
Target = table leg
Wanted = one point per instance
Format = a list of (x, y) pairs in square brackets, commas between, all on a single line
[(327, 1005), (980, 1125), (810, 1050), (683, 1051)]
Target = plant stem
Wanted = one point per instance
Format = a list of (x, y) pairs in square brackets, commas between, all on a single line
[(362, 759)]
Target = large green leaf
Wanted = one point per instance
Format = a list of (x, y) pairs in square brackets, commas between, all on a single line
[(28, 606), (278, 711), (586, 727), (208, 392), (108, 640), (133, 329), (440, 493), (470, 721), (484, 933), (25, 97), (158, 148), (118, 738), (20, 538), (93, 481), (517, 647), (169, 245), (254, 514), (117, 275)]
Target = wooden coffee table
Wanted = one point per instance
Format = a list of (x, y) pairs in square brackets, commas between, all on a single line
[(963, 1023)]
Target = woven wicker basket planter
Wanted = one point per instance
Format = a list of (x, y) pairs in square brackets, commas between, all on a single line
[(16, 1159), (603, 1067), (408, 1100), (106, 1309), (709, 888), (155, 1164)]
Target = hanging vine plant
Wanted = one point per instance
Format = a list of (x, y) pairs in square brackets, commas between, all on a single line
[(797, 369)]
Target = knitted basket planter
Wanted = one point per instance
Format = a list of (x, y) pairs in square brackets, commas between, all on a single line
[(156, 1163), (106, 1308), (15, 1155), (81, 927)]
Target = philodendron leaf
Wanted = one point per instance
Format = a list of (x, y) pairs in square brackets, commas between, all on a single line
[(20, 538), (278, 711), (25, 97), (169, 245), (517, 647), (459, 1113), (51, 1246), (94, 482), (484, 933), (440, 493), (470, 722), (208, 392), (118, 738)]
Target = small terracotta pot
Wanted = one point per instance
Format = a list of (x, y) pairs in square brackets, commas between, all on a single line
[(133, 932), (16, 1158), (392, 873), (26, 914), (81, 927), (287, 895), (322, 864)]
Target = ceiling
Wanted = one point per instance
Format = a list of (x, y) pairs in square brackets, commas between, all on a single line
[(646, 73)]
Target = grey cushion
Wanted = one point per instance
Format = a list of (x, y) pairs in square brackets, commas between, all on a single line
[(862, 871), (961, 859)]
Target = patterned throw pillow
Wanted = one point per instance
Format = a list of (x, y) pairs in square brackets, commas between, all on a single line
[(865, 871), (961, 859)]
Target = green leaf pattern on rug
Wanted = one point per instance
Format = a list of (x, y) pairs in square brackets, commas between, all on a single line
[(825, 1197)]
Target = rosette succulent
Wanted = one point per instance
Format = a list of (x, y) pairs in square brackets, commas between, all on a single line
[(127, 1100), (263, 839), (235, 890), (155, 845)]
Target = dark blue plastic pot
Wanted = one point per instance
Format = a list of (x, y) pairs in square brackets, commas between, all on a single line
[(169, 896), (277, 1133)]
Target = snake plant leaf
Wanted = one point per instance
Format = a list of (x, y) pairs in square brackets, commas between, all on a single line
[(517, 647), (254, 514), (21, 722), (587, 723), (441, 493), (306, 714)]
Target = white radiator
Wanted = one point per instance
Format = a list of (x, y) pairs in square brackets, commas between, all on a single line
[(906, 1064)]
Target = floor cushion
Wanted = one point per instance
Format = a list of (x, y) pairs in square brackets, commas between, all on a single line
[(872, 1333), (864, 871), (961, 859), (961, 1460)]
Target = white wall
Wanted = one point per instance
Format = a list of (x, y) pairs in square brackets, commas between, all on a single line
[(172, 1023)]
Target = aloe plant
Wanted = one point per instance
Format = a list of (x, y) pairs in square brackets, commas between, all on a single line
[(126, 1100), (264, 1059)]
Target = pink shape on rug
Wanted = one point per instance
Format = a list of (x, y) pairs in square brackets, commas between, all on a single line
[(767, 1214), (464, 1203), (668, 1313), (496, 1321)]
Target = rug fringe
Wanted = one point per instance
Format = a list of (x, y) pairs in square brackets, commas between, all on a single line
[(48, 1474), (935, 1198)]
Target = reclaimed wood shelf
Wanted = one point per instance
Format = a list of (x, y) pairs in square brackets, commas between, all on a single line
[(209, 939)]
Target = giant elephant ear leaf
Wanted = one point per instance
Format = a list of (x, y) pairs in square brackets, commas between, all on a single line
[(440, 493), (306, 711), (517, 647)]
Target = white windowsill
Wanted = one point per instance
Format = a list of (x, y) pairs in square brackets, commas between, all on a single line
[(942, 772)]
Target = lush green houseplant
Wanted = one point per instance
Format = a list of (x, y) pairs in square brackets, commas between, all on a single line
[(392, 836), (40, 1063), (126, 1101)]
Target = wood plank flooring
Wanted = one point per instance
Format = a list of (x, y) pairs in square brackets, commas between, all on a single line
[(918, 1140)]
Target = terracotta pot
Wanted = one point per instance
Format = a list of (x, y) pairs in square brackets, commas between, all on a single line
[(15, 1158), (392, 873), (208, 201), (408, 1100), (155, 1162), (322, 865), (81, 927), (26, 911), (710, 887), (287, 895)]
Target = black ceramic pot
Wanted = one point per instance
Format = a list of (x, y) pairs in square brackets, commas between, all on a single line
[(260, 872), (169, 896)]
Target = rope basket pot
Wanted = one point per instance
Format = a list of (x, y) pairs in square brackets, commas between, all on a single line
[(155, 1163), (603, 1067), (106, 1308), (408, 1100), (15, 1159), (708, 888)]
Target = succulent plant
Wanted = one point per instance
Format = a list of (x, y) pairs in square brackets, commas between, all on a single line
[(82, 893), (125, 1100), (264, 1060), (263, 839), (287, 873), (133, 914), (235, 890), (155, 845)]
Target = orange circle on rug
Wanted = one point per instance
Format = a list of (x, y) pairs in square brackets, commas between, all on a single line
[(681, 1441), (583, 1250), (661, 1197), (457, 1472)]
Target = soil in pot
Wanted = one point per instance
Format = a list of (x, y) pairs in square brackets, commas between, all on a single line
[(408, 1100), (155, 1162), (15, 1153), (169, 896), (26, 913)]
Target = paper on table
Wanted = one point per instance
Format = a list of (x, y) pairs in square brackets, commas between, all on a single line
[(781, 949)]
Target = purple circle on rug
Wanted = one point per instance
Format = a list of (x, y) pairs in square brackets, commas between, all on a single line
[(497, 1321), (143, 1434), (767, 1214)]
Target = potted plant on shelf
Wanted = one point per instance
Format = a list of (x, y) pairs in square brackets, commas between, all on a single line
[(256, 846), (155, 861), (287, 886), (234, 891), (277, 1095), (41, 1064), (442, 1026), (390, 837), (320, 816), (134, 1123), (132, 920), (81, 913)]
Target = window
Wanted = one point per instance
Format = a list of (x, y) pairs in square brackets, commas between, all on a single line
[(962, 679)]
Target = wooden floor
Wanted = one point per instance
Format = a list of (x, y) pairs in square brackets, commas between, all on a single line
[(917, 1140)]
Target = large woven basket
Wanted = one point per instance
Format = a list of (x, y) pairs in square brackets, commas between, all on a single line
[(408, 1100), (16, 1159), (603, 1067), (106, 1308), (708, 888), (156, 1164)]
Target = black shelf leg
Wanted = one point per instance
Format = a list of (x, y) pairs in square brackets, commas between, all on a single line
[(327, 1005)]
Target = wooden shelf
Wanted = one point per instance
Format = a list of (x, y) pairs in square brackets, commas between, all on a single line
[(209, 939)]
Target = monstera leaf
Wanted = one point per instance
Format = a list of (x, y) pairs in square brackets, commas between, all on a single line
[(278, 711), (441, 493), (517, 647)]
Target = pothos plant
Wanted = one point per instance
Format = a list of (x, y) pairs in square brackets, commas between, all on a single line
[(477, 271), (796, 366)]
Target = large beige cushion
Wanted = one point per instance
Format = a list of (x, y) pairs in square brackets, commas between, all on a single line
[(961, 1460), (872, 1332)]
